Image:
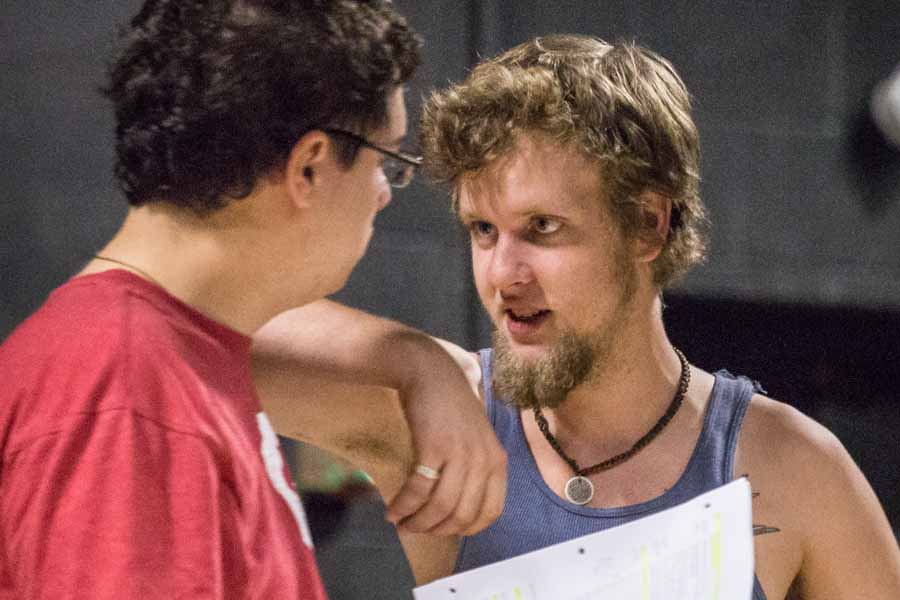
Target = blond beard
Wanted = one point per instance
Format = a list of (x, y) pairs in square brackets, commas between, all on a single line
[(547, 381)]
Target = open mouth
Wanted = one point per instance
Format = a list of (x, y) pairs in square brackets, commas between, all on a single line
[(532, 317)]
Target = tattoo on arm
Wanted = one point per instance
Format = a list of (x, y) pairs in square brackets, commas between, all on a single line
[(759, 529)]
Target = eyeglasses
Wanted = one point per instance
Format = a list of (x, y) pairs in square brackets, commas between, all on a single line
[(398, 167)]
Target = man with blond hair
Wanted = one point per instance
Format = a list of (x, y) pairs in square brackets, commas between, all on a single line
[(573, 164)]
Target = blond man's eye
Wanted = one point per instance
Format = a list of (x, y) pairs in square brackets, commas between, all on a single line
[(545, 225), (481, 228)]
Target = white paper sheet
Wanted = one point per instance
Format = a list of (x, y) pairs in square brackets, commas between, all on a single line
[(700, 550)]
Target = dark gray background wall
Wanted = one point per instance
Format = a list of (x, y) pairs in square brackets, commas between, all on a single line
[(780, 88), (802, 287), (802, 211)]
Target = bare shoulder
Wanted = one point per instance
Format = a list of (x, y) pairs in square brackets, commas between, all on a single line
[(833, 540), (774, 431), (796, 459)]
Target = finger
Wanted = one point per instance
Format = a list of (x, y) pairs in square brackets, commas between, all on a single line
[(492, 503), (412, 496), (443, 501), (469, 504)]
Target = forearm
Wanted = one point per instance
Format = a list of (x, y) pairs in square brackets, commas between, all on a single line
[(325, 371), (347, 345)]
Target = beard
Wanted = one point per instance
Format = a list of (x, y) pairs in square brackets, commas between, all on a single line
[(573, 360), (547, 381)]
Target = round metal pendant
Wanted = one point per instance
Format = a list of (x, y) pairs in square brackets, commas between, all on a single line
[(579, 490)]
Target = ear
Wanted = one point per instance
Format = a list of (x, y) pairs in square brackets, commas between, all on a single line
[(656, 215), (307, 166)]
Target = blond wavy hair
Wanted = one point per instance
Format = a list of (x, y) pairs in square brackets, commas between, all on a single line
[(621, 105)]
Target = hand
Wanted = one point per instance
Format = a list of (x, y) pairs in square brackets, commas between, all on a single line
[(450, 434)]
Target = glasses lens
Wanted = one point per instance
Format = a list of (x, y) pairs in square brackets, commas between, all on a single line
[(397, 173)]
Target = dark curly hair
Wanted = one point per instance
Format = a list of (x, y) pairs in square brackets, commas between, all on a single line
[(210, 95)]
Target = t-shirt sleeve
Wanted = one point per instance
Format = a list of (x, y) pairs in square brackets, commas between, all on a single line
[(116, 505)]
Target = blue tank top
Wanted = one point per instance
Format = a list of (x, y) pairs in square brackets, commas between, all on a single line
[(535, 517)]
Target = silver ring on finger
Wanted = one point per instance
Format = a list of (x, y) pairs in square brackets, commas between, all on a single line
[(428, 472)]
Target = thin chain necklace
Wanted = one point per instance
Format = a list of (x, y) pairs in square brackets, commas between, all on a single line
[(132, 267), (579, 489)]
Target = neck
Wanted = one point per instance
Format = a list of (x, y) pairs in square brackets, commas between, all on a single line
[(624, 397), (218, 264)]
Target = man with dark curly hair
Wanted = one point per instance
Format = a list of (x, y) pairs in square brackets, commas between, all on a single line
[(256, 141), (573, 163)]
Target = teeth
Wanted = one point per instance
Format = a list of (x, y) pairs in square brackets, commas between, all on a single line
[(525, 315)]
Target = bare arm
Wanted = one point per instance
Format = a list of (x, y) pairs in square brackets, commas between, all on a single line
[(386, 397), (834, 541), (850, 550)]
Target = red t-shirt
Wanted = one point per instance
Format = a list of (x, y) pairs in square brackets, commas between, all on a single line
[(136, 460)]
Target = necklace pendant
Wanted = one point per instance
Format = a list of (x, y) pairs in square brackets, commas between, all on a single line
[(579, 490)]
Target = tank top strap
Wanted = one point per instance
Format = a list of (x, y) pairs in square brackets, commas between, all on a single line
[(728, 404), (485, 356)]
